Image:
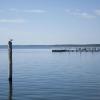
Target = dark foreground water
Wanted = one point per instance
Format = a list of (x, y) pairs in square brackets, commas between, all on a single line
[(43, 75)]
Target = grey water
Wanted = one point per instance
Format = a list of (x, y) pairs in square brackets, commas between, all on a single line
[(39, 74)]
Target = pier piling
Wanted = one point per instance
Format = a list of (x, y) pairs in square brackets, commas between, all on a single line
[(10, 59)]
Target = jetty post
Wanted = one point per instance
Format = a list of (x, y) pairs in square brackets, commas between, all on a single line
[(10, 59), (10, 94)]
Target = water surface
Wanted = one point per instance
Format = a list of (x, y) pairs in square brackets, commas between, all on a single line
[(43, 75)]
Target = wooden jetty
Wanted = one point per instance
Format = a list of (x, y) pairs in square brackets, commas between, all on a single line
[(58, 50), (89, 49)]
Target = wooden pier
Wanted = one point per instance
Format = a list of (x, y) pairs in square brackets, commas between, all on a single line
[(89, 49)]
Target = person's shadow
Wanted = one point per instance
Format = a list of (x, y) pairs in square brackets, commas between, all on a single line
[(10, 91)]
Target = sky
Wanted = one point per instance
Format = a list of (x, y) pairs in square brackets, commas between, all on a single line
[(50, 21)]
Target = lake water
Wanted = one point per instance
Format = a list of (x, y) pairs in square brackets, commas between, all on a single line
[(43, 75)]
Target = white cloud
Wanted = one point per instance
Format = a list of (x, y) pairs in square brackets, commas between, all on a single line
[(12, 21), (79, 13), (34, 11), (27, 10), (85, 15), (39, 11), (97, 12)]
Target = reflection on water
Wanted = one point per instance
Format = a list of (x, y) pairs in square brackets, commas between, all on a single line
[(10, 91), (43, 75)]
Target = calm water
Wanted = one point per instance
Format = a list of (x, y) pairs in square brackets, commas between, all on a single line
[(43, 75)]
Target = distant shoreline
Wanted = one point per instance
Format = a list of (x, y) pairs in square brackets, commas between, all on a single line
[(49, 46)]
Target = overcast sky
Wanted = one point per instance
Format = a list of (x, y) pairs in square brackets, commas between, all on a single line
[(50, 21)]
